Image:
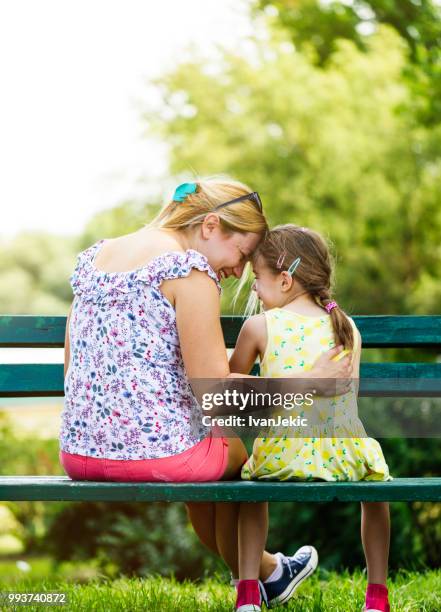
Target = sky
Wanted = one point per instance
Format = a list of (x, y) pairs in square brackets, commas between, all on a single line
[(73, 75)]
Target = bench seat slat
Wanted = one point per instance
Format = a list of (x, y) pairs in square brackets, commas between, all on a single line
[(31, 380), (59, 488)]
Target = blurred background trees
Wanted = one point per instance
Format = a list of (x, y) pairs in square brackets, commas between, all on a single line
[(334, 146), (332, 112)]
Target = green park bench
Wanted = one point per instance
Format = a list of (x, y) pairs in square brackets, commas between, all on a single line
[(33, 380)]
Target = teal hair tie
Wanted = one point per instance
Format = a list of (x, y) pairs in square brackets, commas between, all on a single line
[(184, 190)]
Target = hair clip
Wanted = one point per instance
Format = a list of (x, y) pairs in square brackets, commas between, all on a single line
[(281, 259), (293, 267), (183, 190)]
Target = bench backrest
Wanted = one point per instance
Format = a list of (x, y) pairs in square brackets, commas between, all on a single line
[(32, 380)]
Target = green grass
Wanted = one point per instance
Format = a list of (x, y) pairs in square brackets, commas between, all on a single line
[(88, 591)]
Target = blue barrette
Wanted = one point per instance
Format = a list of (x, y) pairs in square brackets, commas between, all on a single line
[(183, 190), (293, 267)]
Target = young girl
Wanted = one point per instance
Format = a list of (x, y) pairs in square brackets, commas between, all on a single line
[(293, 269)]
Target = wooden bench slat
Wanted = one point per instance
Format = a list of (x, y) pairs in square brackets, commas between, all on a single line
[(59, 488), (399, 331), (381, 331), (383, 379), (31, 380), (32, 331), (377, 331)]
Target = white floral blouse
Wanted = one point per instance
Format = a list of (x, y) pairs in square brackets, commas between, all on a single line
[(127, 395)]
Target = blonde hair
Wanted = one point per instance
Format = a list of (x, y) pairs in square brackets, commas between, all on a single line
[(211, 192), (283, 245)]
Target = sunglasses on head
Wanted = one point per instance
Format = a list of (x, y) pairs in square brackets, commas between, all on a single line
[(254, 197)]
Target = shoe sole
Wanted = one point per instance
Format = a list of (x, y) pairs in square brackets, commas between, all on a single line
[(249, 608), (297, 581)]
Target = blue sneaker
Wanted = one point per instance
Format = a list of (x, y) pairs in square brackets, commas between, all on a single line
[(294, 571)]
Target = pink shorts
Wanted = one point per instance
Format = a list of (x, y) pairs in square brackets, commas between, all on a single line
[(203, 462)]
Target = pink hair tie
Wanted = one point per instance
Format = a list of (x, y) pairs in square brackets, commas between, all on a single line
[(331, 306)]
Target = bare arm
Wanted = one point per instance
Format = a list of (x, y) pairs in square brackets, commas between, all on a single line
[(250, 343), (197, 306)]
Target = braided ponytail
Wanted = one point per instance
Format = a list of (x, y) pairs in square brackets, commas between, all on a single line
[(343, 332)]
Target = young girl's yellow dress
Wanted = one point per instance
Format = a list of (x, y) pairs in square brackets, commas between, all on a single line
[(294, 343)]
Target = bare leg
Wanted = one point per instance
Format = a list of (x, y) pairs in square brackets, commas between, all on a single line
[(253, 531), (202, 516), (227, 518), (375, 536), (216, 524)]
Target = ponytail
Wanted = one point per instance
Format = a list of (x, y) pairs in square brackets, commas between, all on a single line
[(343, 331)]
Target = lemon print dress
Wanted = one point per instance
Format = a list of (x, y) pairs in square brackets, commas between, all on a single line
[(294, 343)]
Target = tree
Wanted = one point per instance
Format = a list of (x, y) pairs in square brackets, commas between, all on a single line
[(34, 273), (317, 25), (124, 218), (335, 147)]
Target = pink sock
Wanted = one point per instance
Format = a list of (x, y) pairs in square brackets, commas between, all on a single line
[(248, 593), (376, 597)]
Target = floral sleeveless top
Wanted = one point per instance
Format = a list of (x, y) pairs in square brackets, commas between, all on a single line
[(294, 343), (127, 395)]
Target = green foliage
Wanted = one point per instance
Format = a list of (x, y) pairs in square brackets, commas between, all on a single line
[(340, 143), (34, 274), (334, 147), (320, 24), (130, 538), (24, 455), (122, 219), (30, 456), (315, 27), (42, 569), (35, 267)]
